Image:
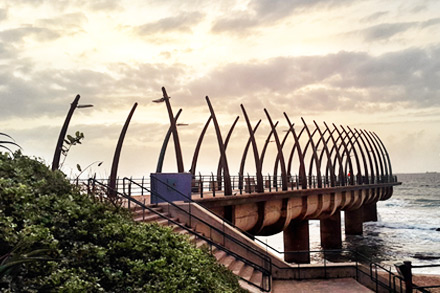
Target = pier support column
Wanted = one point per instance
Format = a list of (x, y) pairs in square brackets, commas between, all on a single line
[(370, 212), (353, 222), (296, 238), (331, 232)]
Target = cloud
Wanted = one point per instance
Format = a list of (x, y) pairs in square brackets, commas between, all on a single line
[(65, 24), (386, 31), (238, 23), (28, 92), (3, 14), (277, 9), (266, 12), (430, 22), (342, 81), (181, 23), (375, 16), (19, 34), (63, 5)]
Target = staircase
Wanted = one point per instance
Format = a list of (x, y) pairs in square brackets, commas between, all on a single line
[(248, 275)]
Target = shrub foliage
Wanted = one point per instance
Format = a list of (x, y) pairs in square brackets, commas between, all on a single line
[(89, 246)]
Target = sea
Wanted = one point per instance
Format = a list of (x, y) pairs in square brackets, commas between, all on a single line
[(408, 227)]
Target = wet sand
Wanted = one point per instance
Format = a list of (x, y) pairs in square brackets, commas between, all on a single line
[(427, 280)]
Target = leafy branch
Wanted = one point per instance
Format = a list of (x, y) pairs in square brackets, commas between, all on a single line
[(13, 259), (69, 142)]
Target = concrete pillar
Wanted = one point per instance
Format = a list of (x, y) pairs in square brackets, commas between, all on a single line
[(331, 232), (370, 212), (296, 238), (353, 222)]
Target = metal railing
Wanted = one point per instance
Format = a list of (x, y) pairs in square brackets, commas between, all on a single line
[(247, 184), (265, 262), (426, 287)]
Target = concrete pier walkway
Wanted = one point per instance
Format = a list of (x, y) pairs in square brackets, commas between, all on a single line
[(344, 285)]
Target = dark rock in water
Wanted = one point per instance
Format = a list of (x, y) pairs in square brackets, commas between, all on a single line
[(426, 257), (438, 229)]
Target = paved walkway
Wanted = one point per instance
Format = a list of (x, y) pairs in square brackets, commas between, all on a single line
[(345, 285)]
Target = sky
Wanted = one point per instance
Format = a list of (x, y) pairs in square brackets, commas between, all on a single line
[(368, 64)]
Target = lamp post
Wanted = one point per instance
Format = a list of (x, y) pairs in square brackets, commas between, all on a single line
[(58, 148)]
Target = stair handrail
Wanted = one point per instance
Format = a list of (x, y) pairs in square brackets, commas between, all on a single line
[(248, 248), (204, 208), (266, 273)]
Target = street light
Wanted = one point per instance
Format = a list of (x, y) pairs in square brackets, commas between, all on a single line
[(58, 149), (84, 106)]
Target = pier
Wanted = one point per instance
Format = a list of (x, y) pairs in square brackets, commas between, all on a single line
[(318, 172)]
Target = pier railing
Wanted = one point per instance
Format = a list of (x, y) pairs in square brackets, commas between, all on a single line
[(202, 184)]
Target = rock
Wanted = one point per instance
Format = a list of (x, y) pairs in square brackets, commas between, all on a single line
[(438, 229)]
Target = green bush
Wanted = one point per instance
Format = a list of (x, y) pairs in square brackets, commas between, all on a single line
[(91, 246)]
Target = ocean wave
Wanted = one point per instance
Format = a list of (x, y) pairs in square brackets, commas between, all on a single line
[(402, 226)]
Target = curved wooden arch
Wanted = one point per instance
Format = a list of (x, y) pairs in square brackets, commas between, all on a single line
[(342, 175), (165, 144), (296, 145), (325, 149), (114, 171), (389, 190), (370, 162), (302, 168), (358, 164), (348, 137), (347, 153), (221, 146), (314, 156), (329, 156), (275, 168), (386, 153), (260, 186), (378, 156), (382, 153), (376, 164), (363, 178), (176, 140), (219, 168), (243, 158), (197, 149), (266, 143), (280, 152)]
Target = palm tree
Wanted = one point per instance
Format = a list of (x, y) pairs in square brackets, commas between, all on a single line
[(4, 142)]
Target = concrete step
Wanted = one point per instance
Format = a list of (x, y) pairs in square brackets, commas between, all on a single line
[(237, 267), (257, 277), (219, 254), (166, 222), (227, 261), (192, 238), (200, 243), (246, 272), (140, 210), (149, 217), (245, 285)]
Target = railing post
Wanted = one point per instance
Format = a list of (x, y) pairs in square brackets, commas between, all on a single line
[(129, 193), (201, 185), (212, 185)]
